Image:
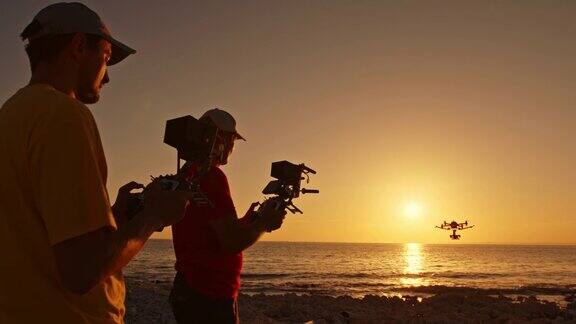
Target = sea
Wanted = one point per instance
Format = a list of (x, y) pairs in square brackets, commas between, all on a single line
[(359, 269)]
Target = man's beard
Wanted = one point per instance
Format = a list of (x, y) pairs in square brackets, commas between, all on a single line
[(87, 95)]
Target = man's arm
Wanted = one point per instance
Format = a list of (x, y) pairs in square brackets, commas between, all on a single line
[(236, 235), (85, 260)]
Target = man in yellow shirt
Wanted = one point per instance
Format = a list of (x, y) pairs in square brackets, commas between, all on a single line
[(62, 246)]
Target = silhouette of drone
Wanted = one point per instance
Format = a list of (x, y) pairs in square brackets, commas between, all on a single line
[(454, 226)]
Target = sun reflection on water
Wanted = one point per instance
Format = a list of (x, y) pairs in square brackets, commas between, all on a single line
[(413, 265)]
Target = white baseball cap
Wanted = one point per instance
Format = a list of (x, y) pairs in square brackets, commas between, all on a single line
[(74, 17), (223, 120)]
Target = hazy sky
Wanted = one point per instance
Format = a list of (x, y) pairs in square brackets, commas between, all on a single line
[(464, 109)]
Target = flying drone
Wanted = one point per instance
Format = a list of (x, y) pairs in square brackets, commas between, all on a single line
[(454, 226)]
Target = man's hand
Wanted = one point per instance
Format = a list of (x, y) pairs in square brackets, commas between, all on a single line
[(120, 206), (269, 216), (164, 206)]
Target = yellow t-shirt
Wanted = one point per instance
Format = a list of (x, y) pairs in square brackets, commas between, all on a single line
[(52, 188)]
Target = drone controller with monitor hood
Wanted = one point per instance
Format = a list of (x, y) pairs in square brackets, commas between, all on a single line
[(194, 141), (286, 187)]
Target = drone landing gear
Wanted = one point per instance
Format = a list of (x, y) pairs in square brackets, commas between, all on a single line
[(455, 236)]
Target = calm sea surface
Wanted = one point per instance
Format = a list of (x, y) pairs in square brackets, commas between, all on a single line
[(360, 269)]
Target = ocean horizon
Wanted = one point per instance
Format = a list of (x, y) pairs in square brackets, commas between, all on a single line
[(449, 243)]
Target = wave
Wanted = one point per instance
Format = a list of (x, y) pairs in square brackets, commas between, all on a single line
[(335, 290), (375, 276), (466, 275), (263, 275), (546, 289)]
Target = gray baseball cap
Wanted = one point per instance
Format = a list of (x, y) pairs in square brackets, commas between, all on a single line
[(75, 17)]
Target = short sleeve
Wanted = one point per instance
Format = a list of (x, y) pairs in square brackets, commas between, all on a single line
[(219, 194), (67, 172)]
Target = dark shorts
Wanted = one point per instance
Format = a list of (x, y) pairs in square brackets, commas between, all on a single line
[(190, 306)]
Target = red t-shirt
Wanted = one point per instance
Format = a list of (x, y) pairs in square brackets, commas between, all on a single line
[(207, 268)]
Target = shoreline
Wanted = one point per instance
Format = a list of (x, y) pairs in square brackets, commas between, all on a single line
[(146, 302)]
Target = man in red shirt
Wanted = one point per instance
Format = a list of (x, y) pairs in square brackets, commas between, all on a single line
[(209, 241)]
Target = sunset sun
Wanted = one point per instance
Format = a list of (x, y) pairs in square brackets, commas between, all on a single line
[(412, 209)]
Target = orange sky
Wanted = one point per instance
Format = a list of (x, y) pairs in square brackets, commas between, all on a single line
[(465, 107)]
